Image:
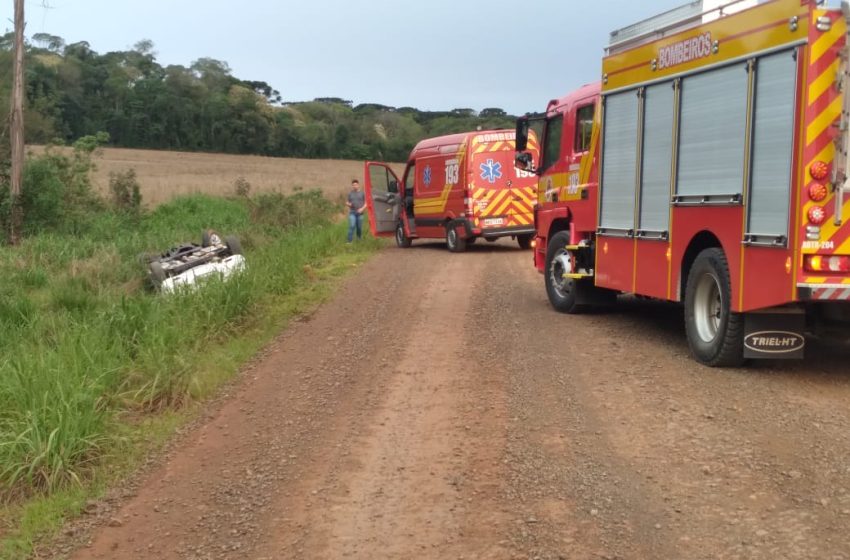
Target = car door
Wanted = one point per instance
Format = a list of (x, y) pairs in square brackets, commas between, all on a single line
[(383, 203)]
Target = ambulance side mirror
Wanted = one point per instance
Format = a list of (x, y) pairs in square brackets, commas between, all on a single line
[(524, 161), (393, 187)]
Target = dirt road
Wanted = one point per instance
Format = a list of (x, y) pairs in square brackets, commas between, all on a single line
[(438, 408)]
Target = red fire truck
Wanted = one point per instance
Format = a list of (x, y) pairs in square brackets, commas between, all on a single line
[(708, 167)]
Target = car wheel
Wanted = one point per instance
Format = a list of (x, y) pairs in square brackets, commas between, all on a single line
[(157, 273), (401, 239), (233, 245), (454, 241), (524, 241), (715, 334), (210, 238)]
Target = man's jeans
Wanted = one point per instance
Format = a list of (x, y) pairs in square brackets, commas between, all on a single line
[(355, 221)]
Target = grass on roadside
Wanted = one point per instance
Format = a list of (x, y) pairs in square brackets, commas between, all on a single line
[(95, 369)]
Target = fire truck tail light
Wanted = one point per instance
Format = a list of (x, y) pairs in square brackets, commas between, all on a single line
[(819, 170), (825, 263), (823, 23), (817, 215), (839, 264), (817, 191)]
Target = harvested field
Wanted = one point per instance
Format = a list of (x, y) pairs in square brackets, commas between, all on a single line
[(164, 175)]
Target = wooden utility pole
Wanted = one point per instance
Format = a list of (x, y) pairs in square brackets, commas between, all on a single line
[(16, 127)]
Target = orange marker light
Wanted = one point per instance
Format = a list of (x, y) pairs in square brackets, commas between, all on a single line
[(819, 170), (817, 191), (814, 263)]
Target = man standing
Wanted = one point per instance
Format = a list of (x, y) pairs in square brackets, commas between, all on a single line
[(356, 203)]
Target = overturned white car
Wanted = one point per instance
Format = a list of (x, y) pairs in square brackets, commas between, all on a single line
[(187, 265)]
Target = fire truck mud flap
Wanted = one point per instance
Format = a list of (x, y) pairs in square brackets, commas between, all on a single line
[(589, 295), (775, 334)]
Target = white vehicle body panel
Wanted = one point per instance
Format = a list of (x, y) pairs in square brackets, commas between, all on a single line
[(192, 277)]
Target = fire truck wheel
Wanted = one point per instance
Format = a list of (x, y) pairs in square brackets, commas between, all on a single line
[(524, 241), (454, 241), (561, 291), (715, 333), (401, 239)]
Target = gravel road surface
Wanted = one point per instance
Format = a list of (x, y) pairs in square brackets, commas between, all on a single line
[(437, 407)]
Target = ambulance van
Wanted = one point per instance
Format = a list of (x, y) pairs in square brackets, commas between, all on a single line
[(459, 187)]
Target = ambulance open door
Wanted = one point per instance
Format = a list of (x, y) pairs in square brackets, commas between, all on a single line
[(382, 199)]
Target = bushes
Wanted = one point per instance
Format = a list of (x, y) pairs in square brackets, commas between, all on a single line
[(42, 194), (124, 188), (56, 193), (297, 210)]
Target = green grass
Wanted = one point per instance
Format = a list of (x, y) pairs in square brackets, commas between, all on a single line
[(92, 362)]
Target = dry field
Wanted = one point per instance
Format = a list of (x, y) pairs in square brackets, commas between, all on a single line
[(164, 175)]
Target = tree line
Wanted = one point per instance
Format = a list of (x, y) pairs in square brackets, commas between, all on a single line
[(73, 91)]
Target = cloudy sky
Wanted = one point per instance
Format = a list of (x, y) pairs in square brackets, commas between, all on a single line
[(432, 55)]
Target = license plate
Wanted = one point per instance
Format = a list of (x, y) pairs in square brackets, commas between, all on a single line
[(494, 221)]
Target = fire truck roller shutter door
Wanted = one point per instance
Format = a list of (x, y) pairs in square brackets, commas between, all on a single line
[(773, 136), (619, 161), (712, 132), (657, 158)]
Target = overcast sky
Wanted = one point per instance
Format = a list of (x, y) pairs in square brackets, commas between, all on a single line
[(432, 55)]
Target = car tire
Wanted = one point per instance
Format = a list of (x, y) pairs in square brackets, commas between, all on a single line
[(401, 239), (157, 273), (233, 245), (454, 241), (715, 333), (209, 238), (524, 241)]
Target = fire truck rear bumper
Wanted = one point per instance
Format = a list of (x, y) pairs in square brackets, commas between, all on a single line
[(824, 292)]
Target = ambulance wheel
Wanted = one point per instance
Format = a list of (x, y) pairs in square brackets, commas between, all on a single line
[(524, 241), (454, 241), (401, 239), (561, 291), (715, 333)]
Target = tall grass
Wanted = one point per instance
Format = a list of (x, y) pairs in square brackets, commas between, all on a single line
[(85, 341)]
